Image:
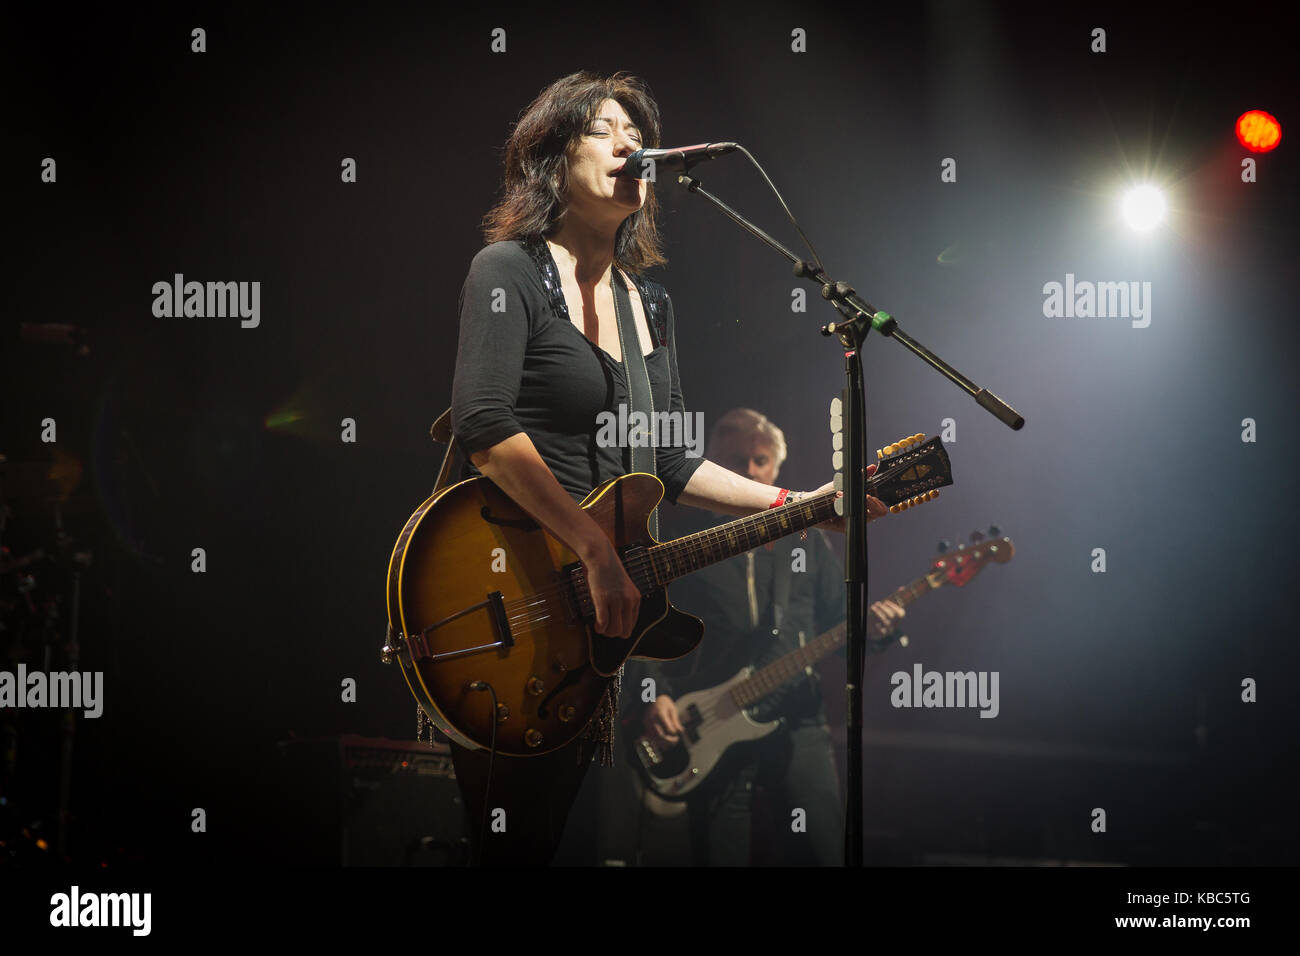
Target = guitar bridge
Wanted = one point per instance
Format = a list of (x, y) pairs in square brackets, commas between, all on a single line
[(497, 608)]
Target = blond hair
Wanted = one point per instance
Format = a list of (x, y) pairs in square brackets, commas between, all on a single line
[(740, 422)]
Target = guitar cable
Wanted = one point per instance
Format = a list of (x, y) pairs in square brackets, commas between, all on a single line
[(477, 857)]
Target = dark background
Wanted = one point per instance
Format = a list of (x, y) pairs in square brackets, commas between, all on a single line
[(1118, 690)]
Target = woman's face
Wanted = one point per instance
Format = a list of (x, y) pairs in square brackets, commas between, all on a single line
[(595, 194)]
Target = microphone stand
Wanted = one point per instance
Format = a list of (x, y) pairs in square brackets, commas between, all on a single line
[(860, 318)]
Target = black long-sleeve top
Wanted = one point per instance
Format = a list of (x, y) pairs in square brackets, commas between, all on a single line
[(523, 366)]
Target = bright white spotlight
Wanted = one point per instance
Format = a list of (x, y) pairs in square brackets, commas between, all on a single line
[(1144, 208)]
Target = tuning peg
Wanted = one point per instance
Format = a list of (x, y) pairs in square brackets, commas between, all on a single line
[(995, 531), (977, 536), (944, 545)]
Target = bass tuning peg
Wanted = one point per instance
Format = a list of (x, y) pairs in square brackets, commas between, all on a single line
[(944, 545)]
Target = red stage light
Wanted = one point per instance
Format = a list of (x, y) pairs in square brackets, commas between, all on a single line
[(1258, 131)]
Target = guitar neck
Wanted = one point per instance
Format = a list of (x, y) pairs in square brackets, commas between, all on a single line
[(789, 666), (683, 556), (918, 588), (910, 475)]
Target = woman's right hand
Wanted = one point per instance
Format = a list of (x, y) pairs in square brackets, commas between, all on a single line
[(613, 595)]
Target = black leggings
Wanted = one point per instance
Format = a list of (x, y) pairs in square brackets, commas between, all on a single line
[(535, 795)]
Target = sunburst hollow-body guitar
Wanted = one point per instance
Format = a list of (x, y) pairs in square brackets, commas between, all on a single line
[(491, 621)]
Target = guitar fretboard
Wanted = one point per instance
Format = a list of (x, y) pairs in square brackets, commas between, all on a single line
[(789, 666), (675, 559)]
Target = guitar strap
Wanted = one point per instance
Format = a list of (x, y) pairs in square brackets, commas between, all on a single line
[(440, 431), (782, 578), (638, 382), (640, 397)]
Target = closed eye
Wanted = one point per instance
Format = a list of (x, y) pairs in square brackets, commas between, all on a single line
[(601, 132)]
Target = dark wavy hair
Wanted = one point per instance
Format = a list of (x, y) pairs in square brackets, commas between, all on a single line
[(537, 164)]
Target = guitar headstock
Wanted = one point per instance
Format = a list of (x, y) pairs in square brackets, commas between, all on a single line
[(959, 566), (910, 472)]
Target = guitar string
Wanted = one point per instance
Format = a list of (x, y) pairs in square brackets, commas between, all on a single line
[(759, 683), (523, 620), (688, 547), (643, 564), (762, 682), (686, 550)]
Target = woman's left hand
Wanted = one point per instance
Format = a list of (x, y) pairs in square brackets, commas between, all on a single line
[(875, 507)]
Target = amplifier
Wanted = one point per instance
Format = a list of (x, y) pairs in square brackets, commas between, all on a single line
[(370, 801)]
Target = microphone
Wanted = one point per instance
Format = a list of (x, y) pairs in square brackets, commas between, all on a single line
[(640, 163)]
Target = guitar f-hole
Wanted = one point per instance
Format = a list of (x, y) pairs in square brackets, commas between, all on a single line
[(570, 678)]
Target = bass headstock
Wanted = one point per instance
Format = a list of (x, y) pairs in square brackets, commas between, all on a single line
[(960, 565)]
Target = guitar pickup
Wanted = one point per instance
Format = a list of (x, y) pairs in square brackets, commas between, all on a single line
[(649, 752)]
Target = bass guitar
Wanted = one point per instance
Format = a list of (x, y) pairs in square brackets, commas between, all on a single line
[(720, 717), (483, 598)]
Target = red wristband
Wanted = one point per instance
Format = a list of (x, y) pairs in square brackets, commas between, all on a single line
[(780, 499)]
